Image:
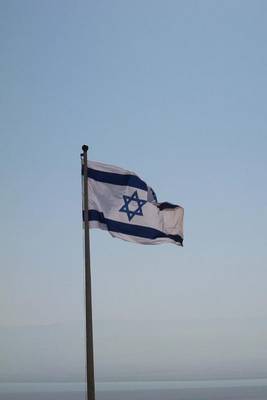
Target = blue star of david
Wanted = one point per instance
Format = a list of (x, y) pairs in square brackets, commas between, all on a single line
[(132, 199)]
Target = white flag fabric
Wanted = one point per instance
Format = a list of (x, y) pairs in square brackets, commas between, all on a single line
[(124, 205)]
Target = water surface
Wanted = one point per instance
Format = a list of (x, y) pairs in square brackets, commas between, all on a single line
[(247, 389)]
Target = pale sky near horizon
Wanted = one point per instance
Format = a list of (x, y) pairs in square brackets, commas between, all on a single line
[(173, 90)]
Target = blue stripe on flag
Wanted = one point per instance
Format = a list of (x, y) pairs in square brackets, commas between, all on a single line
[(129, 229), (166, 205), (116, 179)]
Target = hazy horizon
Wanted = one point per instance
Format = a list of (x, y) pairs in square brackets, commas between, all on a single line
[(136, 351)]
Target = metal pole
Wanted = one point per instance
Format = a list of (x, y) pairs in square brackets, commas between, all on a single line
[(88, 295)]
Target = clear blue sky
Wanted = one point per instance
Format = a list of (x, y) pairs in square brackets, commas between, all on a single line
[(173, 90)]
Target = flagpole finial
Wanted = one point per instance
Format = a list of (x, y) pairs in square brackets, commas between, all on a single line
[(85, 148)]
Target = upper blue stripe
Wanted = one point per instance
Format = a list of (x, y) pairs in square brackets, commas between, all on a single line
[(166, 205), (116, 179), (130, 229)]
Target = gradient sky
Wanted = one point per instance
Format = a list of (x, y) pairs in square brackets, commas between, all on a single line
[(175, 91)]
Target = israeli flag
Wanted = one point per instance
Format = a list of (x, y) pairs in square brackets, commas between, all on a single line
[(123, 204)]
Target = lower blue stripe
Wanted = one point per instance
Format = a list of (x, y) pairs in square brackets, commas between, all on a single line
[(129, 229)]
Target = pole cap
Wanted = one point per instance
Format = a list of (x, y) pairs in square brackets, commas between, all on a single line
[(85, 148)]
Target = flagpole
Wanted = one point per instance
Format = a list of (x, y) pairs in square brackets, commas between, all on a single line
[(88, 296)]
